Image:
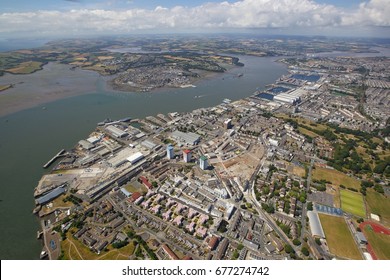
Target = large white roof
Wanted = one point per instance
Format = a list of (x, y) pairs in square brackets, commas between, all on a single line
[(315, 224)]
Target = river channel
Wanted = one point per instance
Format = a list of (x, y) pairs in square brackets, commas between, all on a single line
[(30, 137)]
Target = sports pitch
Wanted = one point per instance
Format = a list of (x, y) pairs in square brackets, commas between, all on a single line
[(339, 238), (352, 202)]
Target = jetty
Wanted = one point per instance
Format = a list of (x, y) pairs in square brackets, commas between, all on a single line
[(58, 155)]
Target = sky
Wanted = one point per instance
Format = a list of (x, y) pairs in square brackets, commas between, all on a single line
[(77, 18)]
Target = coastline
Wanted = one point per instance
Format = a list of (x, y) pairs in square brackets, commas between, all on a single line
[(66, 121), (54, 82), (24, 94)]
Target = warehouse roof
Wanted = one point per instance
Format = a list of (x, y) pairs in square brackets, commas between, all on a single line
[(189, 138), (116, 131), (135, 157), (51, 195)]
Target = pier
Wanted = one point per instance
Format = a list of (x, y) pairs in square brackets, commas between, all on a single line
[(58, 155)]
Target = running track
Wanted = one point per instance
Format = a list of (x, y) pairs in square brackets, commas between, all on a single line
[(378, 229)]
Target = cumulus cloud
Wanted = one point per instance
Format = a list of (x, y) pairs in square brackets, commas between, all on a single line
[(223, 15)]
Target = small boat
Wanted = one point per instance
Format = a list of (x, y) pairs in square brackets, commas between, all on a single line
[(39, 234), (43, 254)]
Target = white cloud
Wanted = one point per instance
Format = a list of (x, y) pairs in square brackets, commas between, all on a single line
[(288, 14)]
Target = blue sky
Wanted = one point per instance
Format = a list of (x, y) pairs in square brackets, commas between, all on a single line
[(48, 18), (31, 5)]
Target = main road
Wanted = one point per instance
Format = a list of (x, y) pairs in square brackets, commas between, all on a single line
[(304, 207), (264, 215)]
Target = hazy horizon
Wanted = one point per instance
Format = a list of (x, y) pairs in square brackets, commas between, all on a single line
[(76, 18)]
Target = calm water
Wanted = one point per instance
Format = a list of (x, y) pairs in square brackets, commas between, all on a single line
[(30, 137)]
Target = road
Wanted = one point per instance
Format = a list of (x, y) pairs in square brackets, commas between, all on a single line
[(304, 207), (267, 217), (264, 215)]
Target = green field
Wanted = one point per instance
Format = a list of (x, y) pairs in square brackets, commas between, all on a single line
[(352, 202), (27, 67), (75, 250), (379, 204), (339, 238), (307, 132), (136, 188), (335, 177), (379, 242)]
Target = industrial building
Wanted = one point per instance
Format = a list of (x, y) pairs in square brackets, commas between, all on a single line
[(51, 195), (203, 163), (274, 142), (187, 155), (125, 192), (287, 98), (116, 132), (93, 139), (293, 97), (189, 138), (148, 144), (135, 157), (170, 152), (120, 158), (123, 156), (86, 145)]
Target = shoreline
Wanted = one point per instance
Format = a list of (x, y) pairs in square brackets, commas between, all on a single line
[(12, 100)]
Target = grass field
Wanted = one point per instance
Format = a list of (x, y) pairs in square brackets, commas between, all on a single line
[(27, 67), (379, 204), (75, 250), (379, 242), (58, 202), (307, 132), (353, 203), (339, 238), (299, 171), (336, 177), (131, 188), (305, 122)]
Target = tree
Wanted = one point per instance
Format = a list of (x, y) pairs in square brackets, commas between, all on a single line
[(288, 249), (296, 242), (305, 251), (318, 241), (310, 206), (235, 255), (378, 188), (119, 244)]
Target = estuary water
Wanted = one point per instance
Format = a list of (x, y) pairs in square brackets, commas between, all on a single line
[(29, 138)]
